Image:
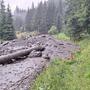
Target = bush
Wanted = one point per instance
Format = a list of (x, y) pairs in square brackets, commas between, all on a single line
[(20, 34), (62, 36), (53, 30)]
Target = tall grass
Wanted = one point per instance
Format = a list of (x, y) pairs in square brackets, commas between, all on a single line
[(67, 75), (62, 36)]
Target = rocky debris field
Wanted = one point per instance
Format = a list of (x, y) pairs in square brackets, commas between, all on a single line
[(20, 73)]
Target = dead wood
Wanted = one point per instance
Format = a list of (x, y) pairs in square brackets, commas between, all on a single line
[(16, 55)]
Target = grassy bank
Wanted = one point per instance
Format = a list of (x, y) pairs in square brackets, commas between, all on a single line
[(67, 75)]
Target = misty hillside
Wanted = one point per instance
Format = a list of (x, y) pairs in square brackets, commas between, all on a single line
[(19, 18)]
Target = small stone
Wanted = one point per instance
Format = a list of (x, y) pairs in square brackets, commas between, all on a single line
[(55, 46), (1, 65), (38, 43), (46, 56), (5, 43), (61, 44), (13, 60), (46, 45), (43, 36), (14, 41)]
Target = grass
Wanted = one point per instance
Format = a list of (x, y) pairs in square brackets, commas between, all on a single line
[(67, 75), (62, 36)]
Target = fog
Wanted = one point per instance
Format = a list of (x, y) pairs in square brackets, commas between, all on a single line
[(24, 4)]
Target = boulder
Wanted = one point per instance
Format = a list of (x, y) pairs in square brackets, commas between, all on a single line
[(34, 54)]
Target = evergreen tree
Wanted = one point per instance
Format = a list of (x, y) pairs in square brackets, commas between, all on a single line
[(10, 31), (6, 24), (44, 28), (76, 17), (29, 22), (2, 19), (59, 15), (42, 18), (51, 13), (87, 24), (38, 17)]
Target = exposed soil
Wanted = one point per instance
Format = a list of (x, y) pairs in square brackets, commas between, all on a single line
[(20, 74)]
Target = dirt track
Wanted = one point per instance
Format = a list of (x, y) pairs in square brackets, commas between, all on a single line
[(19, 75)]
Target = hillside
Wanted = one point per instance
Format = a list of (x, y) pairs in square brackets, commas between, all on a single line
[(21, 71), (67, 75)]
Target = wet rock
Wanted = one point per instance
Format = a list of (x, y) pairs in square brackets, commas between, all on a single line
[(38, 43), (34, 54), (5, 43), (46, 56), (61, 44), (13, 40), (43, 36), (55, 46)]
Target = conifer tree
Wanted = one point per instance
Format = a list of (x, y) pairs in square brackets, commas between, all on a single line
[(10, 31), (29, 22), (6, 23), (76, 17), (51, 13), (87, 15), (2, 19)]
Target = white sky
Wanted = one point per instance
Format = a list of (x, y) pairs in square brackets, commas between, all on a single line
[(21, 3)]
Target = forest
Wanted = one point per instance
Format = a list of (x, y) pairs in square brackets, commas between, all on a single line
[(52, 16), (49, 43)]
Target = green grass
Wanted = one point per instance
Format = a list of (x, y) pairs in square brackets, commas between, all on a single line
[(67, 75), (62, 36)]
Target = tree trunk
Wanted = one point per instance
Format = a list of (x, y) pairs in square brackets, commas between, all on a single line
[(9, 58)]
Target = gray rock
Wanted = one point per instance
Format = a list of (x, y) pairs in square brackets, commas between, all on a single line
[(34, 54), (5, 43), (46, 56)]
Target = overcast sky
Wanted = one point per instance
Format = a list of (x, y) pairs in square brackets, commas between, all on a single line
[(21, 3)]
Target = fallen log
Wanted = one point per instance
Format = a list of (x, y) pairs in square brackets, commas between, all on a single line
[(5, 59)]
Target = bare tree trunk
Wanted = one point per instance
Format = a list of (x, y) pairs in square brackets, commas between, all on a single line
[(8, 58)]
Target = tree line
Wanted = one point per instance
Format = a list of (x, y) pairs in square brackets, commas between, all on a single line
[(6, 23), (72, 14), (46, 15), (78, 18)]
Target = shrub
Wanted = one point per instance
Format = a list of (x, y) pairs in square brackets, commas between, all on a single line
[(53, 30), (62, 36)]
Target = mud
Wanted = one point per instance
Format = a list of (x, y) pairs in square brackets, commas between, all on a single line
[(19, 75)]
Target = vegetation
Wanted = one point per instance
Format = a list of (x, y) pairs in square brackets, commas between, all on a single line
[(72, 15), (53, 30), (21, 35), (6, 23), (51, 17), (78, 17), (62, 36), (67, 75), (43, 17)]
